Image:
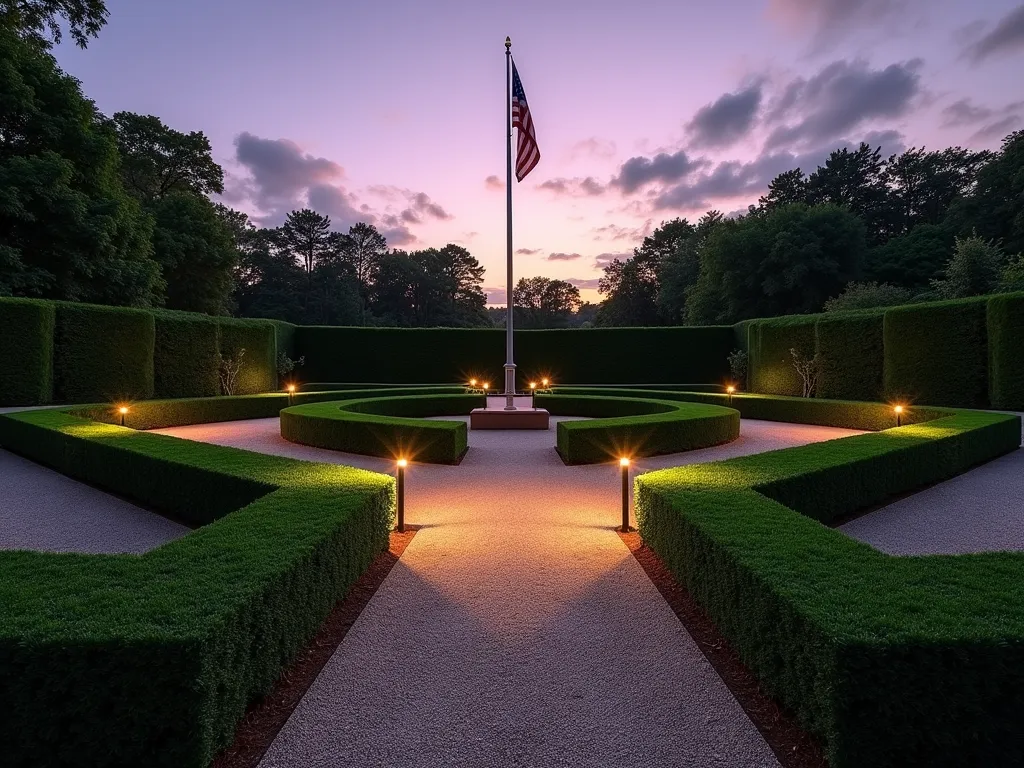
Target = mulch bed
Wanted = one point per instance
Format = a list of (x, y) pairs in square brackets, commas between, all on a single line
[(792, 745), (268, 715)]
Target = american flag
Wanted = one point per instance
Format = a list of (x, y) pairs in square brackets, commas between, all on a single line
[(527, 153)]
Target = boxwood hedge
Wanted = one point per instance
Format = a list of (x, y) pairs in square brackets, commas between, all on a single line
[(117, 660), (186, 355), (635, 426), (26, 351), (385, 426), (1006, 351), (259, 364), (102, 353), (891, 661), (772, 371), (852, 356)]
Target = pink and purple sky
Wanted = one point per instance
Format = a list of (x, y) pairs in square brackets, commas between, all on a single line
[(392, 111)]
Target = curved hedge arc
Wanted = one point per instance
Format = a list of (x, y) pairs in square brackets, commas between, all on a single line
[(891, 661), (384, 426), (635, 426), (152, 659)]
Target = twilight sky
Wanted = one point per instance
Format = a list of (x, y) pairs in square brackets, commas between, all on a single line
[(392, 111)]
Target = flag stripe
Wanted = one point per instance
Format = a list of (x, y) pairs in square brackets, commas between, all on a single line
[(527, 151)]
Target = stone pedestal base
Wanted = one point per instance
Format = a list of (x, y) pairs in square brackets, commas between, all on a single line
[(521, 418)]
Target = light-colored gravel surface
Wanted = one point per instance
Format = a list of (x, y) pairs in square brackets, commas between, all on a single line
[(979, 511), (44, 510), (517, 629)]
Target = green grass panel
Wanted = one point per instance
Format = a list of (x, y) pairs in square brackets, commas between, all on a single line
[(890, 661), (102, 353), (385, 426), (852, 356), (1006, 351), (153, 659), (772, 371), (937, 354), (258, 339), (634, 426), (26, 351), (186, 355)]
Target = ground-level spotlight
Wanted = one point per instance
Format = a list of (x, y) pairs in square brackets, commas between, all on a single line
[(486, 386), (402, 464), (544, 383), (624, 465), (291, 391), (898, 410), (730, 390), (123, 410), (533, 395)]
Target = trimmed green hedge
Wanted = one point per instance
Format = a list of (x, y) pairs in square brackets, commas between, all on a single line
[(26, 351), (152, 659), (852, 356), (383, 426), (635, 426), (186, 355), (937, 354), (582, 356), (1006, 351), (891, 661), (773, 372), (102, 353), (259, 366)]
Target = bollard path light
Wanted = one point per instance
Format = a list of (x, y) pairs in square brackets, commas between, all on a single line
[(533, 395), (291, 391), (730, 390), (898, 410), (624, 464), (123, 410), (402, 463)]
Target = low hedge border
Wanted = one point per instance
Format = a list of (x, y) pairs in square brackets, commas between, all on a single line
[(635, 426), (112, 660), (891, 661), (382, 426)]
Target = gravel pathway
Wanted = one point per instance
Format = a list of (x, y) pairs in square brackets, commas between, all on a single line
[(517, 629), (44, 510)]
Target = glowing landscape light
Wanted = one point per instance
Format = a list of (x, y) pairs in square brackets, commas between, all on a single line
[(898, 410), (291, 391), (624, 464), (544, 383), (123, 410), (533, 395), (730, 390), (402, 463)]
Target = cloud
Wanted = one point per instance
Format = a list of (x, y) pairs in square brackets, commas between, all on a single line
[(563, 256), (639, 171), (575, 187), (592, 147), (528, 251), (602, 260), (829, 20), (839, 99), (496, 295), (999, 129), (335, 202), (727, 119), (493, 182), (1006, 37), (964, 112), (589, 283), (615, 232)]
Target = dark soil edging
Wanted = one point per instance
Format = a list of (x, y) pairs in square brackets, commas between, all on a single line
[(265, 718), (792, 745)]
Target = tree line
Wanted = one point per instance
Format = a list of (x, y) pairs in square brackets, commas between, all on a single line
[(860, 231)]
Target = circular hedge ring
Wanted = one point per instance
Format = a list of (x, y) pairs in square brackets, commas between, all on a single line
[(384, 426), (636, 427)]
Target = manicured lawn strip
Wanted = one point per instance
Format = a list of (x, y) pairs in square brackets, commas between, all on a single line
[(151, 660), (890, 661), (383, 426), (635, 426)]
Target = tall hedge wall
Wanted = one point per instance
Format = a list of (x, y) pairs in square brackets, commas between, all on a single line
[(773, 372), (186, 355), (102, 353), (937, 354), (1006, 351), (852, 356), (26, 352), (570, 356), (259, 364)]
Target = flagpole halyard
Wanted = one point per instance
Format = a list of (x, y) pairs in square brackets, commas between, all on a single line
[(510, 366)]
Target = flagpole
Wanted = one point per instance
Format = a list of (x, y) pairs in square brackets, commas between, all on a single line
[(510, 366)]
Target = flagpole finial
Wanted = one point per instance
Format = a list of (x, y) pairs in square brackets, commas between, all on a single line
[(508, 43)]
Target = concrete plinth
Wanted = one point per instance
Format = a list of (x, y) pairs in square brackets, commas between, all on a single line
[(521, 418)]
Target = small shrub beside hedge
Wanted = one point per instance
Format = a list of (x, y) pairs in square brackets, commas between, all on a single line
[(26, 351), (102, 353), (186, 355), (1006, 351), (772, 370), (259, 365), (937, 354)]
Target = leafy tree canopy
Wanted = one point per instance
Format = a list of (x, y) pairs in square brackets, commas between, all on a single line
[(39, 21)]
